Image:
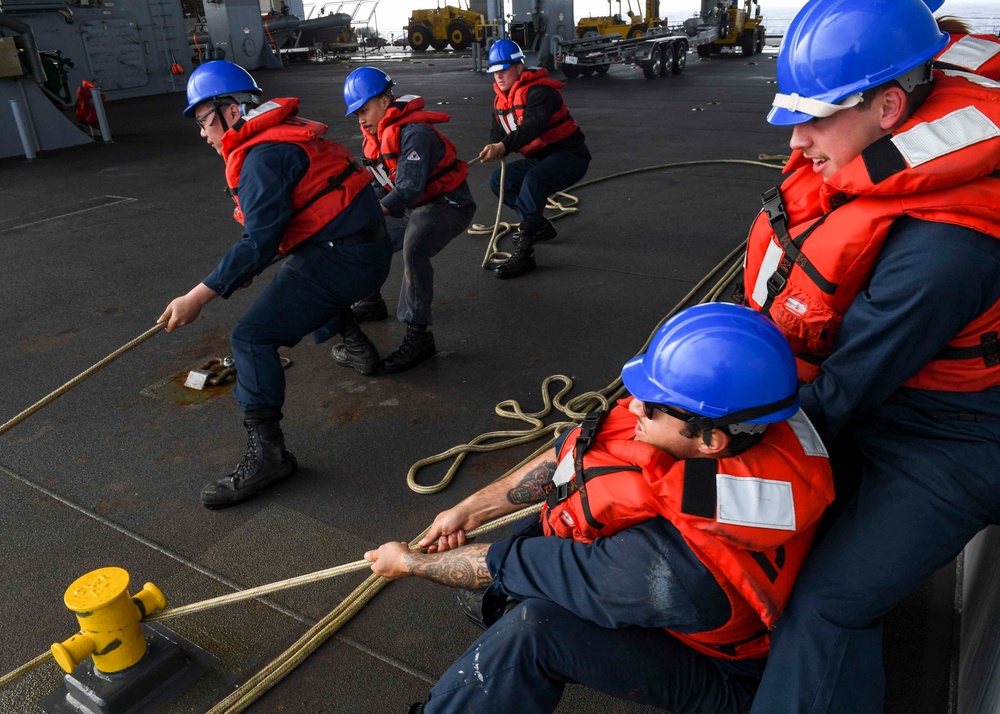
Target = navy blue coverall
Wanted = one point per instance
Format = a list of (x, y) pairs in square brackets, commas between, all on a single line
[(321, 277), (929, 479), (591, 614), (421, 232)]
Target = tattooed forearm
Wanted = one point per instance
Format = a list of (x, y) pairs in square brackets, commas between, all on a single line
[(530, 488), (460, 568)]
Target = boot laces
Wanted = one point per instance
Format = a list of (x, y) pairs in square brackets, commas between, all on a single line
[(412, 336), (249, 461)]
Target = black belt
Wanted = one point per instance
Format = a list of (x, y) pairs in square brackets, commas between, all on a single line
[(368, 235), (959, 416)]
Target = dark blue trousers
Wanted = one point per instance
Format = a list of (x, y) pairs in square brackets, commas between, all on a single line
[(927, 487), (529, 182), (523, 662), (312, 292)]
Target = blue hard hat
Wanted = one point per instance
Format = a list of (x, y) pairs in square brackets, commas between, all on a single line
[(362, 84), (503, 54), (933, 5), (218, 78), (718, 360), (835, 49)]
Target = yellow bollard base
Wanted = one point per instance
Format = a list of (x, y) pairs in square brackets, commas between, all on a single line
[(170, 665)]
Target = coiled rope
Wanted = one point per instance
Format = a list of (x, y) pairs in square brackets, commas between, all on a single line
[(574, 408)]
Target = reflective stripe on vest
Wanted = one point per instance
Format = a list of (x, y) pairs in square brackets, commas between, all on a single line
[(751, 532), (941, 166)]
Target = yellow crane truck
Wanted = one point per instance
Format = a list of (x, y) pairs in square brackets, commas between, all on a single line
[(629, 26), (443, 26), (739, 27)]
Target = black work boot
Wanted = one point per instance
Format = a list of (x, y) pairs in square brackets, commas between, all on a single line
[(546, 231), (522, 259), (370, 309), (264, 464), (356, 351), (417, 346)]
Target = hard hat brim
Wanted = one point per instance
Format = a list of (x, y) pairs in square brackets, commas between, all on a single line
[(497, 67), (779, 116)]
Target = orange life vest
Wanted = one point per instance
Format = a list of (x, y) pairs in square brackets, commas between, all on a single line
[(979, 54), (86, 112), (332, 181), (382, 154), (812, 249), (751, 519), (509, 110)]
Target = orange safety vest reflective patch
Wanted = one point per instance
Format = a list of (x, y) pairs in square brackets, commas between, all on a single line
[(333, 179), (509, 110), (382, 154), (812, 249), (751, 519), (979, 54)]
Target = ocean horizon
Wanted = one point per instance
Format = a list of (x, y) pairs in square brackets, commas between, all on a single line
[(983, 16)]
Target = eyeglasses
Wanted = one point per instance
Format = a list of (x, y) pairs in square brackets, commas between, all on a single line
[(201, 120), (648, 407)]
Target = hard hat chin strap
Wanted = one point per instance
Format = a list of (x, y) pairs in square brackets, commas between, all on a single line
[(706, 424), (219, 106)]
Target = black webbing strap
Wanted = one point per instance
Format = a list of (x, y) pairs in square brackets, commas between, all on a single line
[(555, 495), (988, 349), (771, 570), (334, 184), (447, 169), (514, 108), (556, 123), (774, 207), (705, 424), (700, 495)]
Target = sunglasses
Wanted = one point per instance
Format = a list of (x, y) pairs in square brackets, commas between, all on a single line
[(649, 407)]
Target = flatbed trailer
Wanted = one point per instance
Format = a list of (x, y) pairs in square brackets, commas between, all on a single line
[(661, 51)]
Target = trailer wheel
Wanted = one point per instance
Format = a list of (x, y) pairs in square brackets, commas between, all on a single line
[(588, 71), (759, 47), (667, 64), (419, 39), (652, 68), (439, 44), (459, 37), (747, 42), (704, 51), (680, 58), (571, 71), (602, 68)]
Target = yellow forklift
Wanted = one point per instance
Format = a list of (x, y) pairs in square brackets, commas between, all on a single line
[(739, 27), (443, 26), (630, 26)]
